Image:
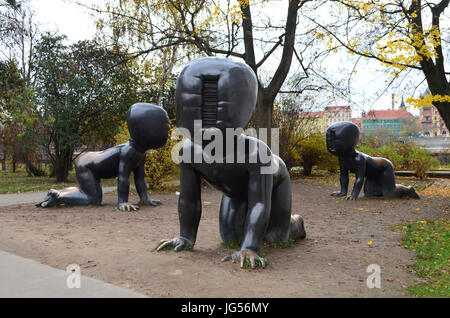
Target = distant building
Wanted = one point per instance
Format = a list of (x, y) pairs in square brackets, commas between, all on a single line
[(357, 122), (388, 121), (320, 121), (334, 114), (432, 124), (311, 121)]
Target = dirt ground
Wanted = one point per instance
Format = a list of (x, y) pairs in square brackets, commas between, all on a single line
[(118, 247)]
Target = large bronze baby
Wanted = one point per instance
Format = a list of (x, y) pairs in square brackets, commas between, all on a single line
[(256, 205), (377, 174), (149, 127)]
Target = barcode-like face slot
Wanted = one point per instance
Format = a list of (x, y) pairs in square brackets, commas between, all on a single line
[(331, 140), (209, 107)]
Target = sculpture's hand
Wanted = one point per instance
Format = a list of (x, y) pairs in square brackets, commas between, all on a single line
[(338, 194), (152, 202), (349, 197), (127, 207), (177, 243), (242, 255)]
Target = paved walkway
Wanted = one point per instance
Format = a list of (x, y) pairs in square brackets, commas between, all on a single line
[(21, 277), (32, 197)]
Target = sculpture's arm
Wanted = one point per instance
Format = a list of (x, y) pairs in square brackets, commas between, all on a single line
[(343, 179), (141, 185), (258, 211), (123, 184), (189, 209), (189, 203), (257, 219), (360, 173)]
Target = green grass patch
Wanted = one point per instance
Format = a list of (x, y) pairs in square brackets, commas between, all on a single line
[(19, 181), (232, 245), (430, 240), (283, 244)]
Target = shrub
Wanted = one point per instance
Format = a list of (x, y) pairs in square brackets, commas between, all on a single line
[(420, 161), (312, 150), (403, 155), (159, 166)]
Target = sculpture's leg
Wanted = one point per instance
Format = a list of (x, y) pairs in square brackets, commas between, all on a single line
[(390, 189), (373, 187), (90, 192), (282, 225), (232, 219)]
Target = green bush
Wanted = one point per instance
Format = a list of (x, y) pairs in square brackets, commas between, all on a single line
[(403, 155), (420, 161), (312, 150), (159, 166)]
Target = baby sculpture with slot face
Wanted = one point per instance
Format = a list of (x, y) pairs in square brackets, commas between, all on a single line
[(149, 127), (377, 174), (256, 206)]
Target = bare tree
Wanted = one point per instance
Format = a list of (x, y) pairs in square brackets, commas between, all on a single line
[(211, 28)]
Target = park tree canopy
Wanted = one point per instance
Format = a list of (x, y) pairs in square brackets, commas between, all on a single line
[(404, 36), (83, 92)]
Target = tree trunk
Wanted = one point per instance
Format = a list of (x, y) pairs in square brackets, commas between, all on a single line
[(307, 168), (264, 109), (62, 165), (32, 169), (444, 111), (14, 163)]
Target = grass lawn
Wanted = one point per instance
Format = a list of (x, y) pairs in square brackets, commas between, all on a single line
[(19, 181), (430, 240)]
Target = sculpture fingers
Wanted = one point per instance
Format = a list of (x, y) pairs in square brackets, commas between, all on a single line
[(261, 260), (127, 207), (163, 244), (155, 202), (227, 258)]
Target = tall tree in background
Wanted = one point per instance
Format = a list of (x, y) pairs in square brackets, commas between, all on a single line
[(21, 129), (83, 92), (404, 35), (210, 28)]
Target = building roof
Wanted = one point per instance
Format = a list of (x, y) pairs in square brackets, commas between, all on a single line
[(337, 107), (310, 114), (357, 121), (388, 114)]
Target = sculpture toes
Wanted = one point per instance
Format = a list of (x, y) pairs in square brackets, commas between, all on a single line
[(163, 244), (227, 258)]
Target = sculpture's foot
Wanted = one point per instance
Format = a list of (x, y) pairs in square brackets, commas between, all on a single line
[(297, 227), (240, 257), (412, 193), (51, 199), (127, 207)]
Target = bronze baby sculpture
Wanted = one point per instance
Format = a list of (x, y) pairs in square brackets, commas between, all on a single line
[(256, 205), (377, 174), (149, 127)]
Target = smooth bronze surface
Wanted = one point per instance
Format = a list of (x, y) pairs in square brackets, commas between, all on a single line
[(149, 127), (255, 206), (377, 174)]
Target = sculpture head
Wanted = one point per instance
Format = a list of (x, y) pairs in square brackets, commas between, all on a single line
[(342, 137), (220, 92), (148, 125)]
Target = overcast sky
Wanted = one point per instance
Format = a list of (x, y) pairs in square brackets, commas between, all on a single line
[(75, 21)]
